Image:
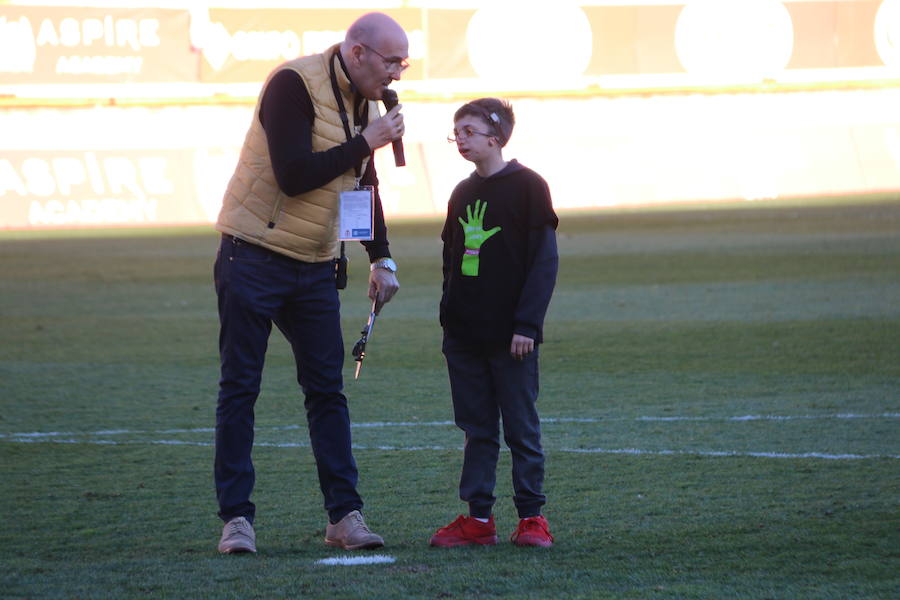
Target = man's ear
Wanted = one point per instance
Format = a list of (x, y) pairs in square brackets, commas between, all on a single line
[(356, 53)]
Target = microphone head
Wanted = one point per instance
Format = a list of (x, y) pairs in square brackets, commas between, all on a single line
[(389, 97)]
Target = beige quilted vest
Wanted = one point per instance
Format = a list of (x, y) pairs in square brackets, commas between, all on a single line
[(255, 209)]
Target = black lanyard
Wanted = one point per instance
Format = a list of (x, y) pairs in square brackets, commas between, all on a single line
[(345, 119)]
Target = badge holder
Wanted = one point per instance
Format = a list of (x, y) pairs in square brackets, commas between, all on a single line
[(356, 220)]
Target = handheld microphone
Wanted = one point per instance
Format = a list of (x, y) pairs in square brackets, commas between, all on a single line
[(389, 97)]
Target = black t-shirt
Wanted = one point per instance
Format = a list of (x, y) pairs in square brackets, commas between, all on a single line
[(498, 277)]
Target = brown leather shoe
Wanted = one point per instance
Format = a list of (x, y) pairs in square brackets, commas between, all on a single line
[(351, 533), (237, 536)]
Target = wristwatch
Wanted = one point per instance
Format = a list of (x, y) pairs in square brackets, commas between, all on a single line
[(384, 263)]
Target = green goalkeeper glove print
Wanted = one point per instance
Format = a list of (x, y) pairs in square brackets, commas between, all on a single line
[(475, 234)]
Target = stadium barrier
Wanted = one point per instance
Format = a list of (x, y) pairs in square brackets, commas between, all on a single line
[(124, 116)]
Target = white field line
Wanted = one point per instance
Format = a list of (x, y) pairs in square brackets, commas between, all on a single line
[(618, 451), (376, 424), (56, 437), (711, 453)]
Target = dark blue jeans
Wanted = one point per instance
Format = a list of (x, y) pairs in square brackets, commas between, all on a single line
[(255, 288), (486, 385)]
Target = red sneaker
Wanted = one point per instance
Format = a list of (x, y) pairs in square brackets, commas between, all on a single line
[(533, 531), (465, 531)]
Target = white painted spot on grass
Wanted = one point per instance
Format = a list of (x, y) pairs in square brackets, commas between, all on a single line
[(344, 561)]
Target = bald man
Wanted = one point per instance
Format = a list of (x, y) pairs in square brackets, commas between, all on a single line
[(312, 138)]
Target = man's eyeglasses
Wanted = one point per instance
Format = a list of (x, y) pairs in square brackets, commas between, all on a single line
[(465, 132), (391, 64)]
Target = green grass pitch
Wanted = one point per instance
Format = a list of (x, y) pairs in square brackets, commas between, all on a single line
[(720, 389)]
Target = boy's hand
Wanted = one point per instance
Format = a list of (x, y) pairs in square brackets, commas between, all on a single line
[(521, 346), (475, 236)]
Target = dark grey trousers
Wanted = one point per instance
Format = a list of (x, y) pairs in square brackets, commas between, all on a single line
[(485, 387)]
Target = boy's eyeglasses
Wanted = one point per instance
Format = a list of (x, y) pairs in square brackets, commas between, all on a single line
[(391, 64), (465, 132)]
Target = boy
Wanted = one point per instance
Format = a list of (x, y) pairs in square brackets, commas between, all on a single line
[(500, 263)]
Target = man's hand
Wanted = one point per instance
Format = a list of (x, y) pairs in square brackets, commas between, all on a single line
[(521, 346), (384, 130), (383, 285)]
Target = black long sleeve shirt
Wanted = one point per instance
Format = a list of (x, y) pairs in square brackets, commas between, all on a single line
[(509, 290), (287, 115)]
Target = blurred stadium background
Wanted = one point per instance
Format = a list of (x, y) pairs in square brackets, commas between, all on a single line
[(132, 113)]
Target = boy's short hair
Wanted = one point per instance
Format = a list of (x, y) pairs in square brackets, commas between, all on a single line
[(496, 113)]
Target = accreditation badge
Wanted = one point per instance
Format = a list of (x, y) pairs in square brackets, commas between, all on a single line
[(357, 209)]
